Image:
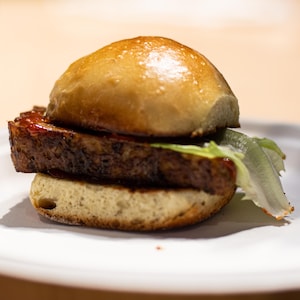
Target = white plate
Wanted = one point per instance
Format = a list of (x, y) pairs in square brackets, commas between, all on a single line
[(239, 250)]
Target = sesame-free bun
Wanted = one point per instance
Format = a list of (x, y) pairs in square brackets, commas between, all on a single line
[(144, 86), (121, 208)]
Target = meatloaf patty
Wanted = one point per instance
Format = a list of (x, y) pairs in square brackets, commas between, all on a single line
[(38, 146)]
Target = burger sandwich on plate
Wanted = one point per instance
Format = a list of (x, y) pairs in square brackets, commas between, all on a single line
[(136, 137)]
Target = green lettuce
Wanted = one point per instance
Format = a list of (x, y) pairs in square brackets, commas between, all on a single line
[(258, 161)]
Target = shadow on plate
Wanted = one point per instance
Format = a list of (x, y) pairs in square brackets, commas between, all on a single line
[(237, 216)]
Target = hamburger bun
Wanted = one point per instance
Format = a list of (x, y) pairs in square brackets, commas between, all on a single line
[(122, 208), (147, 86)]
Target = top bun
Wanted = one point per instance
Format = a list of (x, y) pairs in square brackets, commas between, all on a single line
[(147, 86)]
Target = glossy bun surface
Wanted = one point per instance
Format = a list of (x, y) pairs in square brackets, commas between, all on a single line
[(144, 86)]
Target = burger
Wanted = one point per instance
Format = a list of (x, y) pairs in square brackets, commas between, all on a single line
[(136, 137)]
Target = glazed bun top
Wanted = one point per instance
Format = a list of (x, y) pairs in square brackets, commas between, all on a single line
[(146, 86)]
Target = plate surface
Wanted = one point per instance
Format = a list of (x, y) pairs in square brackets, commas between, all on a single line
[(239, 250)]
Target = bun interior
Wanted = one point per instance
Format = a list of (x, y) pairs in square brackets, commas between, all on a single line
[(116, 207)]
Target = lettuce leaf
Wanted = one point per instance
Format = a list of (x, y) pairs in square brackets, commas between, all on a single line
[(259, 162)]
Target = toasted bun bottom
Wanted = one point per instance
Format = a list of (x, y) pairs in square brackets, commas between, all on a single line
[(116, 207)]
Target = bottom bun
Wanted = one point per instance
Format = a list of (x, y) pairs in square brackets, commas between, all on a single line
[(118, 207)]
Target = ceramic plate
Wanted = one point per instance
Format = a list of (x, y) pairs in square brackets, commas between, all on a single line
[(239, 250)]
